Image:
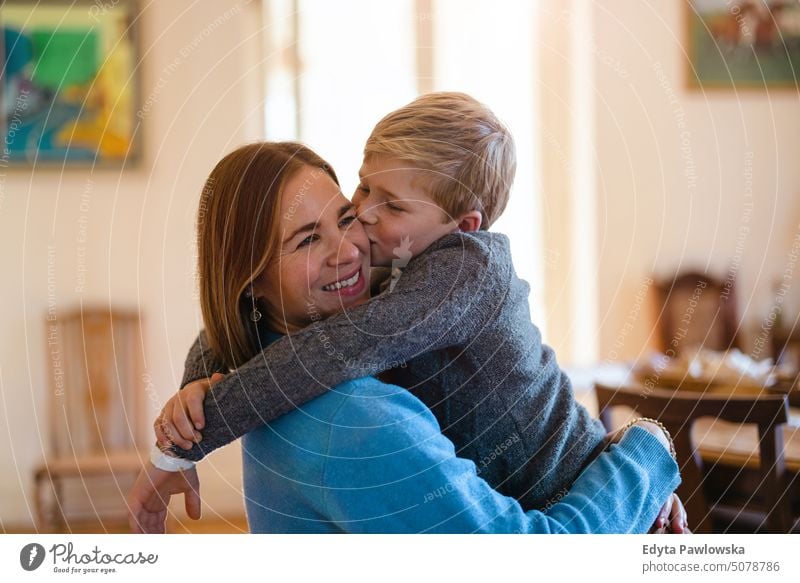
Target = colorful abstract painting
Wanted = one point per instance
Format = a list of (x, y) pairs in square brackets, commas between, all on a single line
[(69, 84), (743, 43)]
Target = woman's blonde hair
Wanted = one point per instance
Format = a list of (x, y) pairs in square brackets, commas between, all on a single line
[(469, 152), (238, 235)]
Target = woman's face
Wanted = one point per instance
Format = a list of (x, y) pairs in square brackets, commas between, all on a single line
[(322, 263)]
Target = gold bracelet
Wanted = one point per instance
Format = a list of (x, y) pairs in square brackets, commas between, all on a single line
[(660, 425)]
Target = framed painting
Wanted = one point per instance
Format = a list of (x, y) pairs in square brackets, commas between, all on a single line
[(743, 43), (70, 83)]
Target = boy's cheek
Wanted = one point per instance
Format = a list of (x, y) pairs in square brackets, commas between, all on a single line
[(379, 256)]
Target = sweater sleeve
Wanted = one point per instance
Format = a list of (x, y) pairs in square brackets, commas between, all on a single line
[(443, 299), (201, 362), (406, 478)]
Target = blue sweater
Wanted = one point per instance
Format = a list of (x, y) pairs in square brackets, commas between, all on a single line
[(367, 457)]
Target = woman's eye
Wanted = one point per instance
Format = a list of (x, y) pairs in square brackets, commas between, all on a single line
[(307, 241), (347, 220), (364, 190)]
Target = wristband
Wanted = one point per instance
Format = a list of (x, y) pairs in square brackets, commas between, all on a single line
[(169, 463)]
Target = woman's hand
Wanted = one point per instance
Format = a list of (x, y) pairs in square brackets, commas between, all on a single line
[(150, 495), (182, 416)]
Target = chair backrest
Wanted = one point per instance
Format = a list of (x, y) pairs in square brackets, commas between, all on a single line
[(678, 411), (95, 360), (697, 311), (786, 345)]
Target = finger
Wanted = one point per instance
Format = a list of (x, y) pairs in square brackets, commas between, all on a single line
[(158, 429), (194, 401), (174, 435), (664, 514), (216, 377), (161, 438), (133, 520), (678, 524), (192, 495), (181, 421), (193, 505), (161, 522), (659, 522), (149, 524), (173, 412)]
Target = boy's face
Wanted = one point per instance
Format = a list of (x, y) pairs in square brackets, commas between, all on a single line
[(400, 219)]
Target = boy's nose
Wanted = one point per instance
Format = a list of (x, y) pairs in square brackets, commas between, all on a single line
[(366, 214)]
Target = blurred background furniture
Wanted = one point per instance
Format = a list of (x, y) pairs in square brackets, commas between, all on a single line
[(767, 503), (95, 414), (786, 346), (697, 311)]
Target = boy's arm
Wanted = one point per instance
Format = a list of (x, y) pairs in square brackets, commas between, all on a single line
[(201, 362), (443, 299), (403, 475)]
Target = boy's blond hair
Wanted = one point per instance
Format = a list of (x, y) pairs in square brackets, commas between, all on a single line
[(469, 152)]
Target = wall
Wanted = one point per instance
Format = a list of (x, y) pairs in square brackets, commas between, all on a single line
[(201, 84), (684, 178)]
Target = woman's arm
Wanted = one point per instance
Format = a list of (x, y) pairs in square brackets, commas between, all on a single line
[(443, 299), (391, 470)]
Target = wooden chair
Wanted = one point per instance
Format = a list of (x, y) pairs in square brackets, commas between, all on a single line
[(96, 381), (786, 346), (679, 411), (697, 311)]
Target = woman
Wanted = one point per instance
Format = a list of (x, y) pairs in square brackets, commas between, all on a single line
[(275, 235)]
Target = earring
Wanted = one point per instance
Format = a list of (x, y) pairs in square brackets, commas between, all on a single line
[(255, 315)]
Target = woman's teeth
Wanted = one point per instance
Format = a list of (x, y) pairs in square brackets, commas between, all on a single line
[(344, 283)]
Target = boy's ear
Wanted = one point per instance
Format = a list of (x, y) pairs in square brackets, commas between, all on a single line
[(470, 222)]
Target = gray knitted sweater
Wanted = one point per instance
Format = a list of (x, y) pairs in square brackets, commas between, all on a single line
[(456, 331)]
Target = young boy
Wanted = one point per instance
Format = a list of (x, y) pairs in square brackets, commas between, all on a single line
[(453, 322)]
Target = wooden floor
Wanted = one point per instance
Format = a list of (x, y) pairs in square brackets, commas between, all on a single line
[(215, 525)]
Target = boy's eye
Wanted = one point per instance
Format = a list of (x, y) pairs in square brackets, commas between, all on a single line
[(364, 190), (307, 241), (394, 207)]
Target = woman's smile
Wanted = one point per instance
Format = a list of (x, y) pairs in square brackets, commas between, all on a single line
[(352, 285)]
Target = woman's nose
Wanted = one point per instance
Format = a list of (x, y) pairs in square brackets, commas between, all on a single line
[(347, 252)]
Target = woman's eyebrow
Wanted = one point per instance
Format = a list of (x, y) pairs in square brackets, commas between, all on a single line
[(345, 208), (307, 227)]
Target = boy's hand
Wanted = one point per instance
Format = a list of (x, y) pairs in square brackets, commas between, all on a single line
[(671, 518), (150, 495), (182, 416)]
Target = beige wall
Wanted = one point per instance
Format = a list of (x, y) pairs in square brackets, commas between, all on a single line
[(198, 76), (741, 149)]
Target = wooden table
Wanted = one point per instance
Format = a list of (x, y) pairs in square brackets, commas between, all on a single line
[(717, 441)]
